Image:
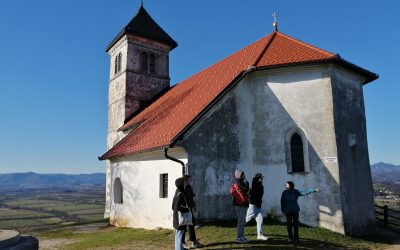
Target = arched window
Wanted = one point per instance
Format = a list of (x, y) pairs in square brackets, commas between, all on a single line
[(297, 153), (143, 62), (118, 191), (117, 63), (152, 64)]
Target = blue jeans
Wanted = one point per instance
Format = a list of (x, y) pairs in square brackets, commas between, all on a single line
[(257, 213), (178, 239), (241, 220)]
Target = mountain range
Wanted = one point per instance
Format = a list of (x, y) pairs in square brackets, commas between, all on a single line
[(385, 172), (34, 180)]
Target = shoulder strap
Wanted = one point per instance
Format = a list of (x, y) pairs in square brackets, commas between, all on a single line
[(183, 197)]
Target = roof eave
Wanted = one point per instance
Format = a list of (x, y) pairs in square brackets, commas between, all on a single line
[(116, 39), (106, 156), (369, 76), (124, 32)]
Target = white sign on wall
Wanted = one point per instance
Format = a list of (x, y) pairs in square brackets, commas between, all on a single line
[(330, 159)]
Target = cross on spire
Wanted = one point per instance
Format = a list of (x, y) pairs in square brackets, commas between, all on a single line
[(275, 23)]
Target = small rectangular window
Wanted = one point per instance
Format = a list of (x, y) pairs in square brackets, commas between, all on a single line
[(163, 185)]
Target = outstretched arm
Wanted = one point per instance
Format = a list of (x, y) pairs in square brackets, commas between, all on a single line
[(307, 192)]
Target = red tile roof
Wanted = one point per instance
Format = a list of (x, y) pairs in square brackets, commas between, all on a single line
[(163, 121)]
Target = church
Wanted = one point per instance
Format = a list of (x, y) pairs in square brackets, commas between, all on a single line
[(279, 106)]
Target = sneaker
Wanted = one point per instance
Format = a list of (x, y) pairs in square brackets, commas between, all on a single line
[(196, 244), (241, 240), (262, 237), (185, 246)]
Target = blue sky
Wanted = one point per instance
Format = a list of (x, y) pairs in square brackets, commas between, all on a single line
[(54, 69)]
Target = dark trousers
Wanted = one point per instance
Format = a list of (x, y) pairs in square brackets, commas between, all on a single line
[(293, 225), (192, 233)]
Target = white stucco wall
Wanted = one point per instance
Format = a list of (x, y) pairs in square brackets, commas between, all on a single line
[(142, 206), (271, 105)]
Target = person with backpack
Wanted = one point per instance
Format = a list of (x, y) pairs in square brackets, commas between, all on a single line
[(240, 199), (291, 209), (255, 210), (189, 194), (179, 204)]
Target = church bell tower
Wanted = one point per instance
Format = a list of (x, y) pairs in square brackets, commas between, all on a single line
[(139, 70), (139, 74)]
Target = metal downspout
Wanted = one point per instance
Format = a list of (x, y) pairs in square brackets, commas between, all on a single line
[(175, 160)]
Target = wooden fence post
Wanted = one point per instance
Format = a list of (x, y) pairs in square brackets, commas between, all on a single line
[(385, 215)]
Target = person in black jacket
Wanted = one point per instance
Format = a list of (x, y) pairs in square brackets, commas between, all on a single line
[(189, 194), (291, 209), (179, 204), (255, 211)]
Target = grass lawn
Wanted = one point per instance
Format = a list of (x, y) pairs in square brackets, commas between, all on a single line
[(219, 235)]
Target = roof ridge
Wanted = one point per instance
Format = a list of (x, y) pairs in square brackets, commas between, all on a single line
[(265, 48), (306, 44), (221, 60)]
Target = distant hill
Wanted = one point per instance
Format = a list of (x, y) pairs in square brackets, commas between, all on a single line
[(385, 172), (34, 180)]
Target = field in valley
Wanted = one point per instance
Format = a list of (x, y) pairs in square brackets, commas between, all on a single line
[(29, 210)]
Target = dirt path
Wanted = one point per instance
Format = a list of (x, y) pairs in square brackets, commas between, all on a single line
[(50, 244), (46, 244), (394, 247)]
